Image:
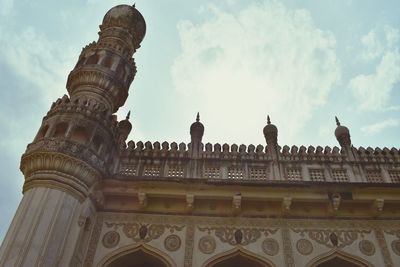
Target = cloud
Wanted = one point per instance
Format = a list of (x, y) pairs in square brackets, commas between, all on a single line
[(373, 91), (6, 7), (379, 126), (372, 46), (37, 60), (265, 59)]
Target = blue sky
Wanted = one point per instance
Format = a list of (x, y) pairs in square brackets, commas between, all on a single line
[(302, 62)]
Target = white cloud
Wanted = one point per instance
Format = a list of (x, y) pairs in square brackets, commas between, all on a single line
[(373, 91), (380, 126), (372, 46), (36, 59), (266, 59), (6, 7)]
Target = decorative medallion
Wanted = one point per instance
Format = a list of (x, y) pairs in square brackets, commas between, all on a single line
[(172, 243), (396, 246), (304, 246), (270, 247), (207, 244), (110, 239), (367, 247)]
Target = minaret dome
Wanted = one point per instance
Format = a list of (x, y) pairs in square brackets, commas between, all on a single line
[(128, 18)]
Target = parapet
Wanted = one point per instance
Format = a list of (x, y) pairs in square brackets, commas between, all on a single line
[(248, 164)]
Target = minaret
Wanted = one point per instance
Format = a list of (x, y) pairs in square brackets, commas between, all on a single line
[(74, 149)]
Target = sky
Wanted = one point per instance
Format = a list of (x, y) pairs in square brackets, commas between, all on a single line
[(234, 61)]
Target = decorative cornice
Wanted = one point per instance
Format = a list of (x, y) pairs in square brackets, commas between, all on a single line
[(57, 170), (72, 150)]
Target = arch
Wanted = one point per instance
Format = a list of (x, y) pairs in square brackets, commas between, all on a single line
[(334, 257), (139, 250), (60, 129), (80, 134), (42, 132), (93, 59), (238, 255)]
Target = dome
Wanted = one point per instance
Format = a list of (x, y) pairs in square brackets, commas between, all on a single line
[(341, 130), (127, 17), (270, 128), (125, 125), (197, 128)]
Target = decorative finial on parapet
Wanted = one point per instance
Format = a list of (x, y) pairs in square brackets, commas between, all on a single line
[(270, 133), (128, 115), (342, 134), (337, 121), (197, 129)]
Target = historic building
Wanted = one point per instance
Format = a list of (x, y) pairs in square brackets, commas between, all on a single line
[(93, 199)]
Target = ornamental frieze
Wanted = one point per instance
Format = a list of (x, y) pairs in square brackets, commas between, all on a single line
[(333, 238), (235, 236), (143, 232)]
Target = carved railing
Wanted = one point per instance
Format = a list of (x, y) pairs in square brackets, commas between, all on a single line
[(256, 164)]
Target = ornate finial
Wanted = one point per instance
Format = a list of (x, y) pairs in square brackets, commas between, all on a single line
[(198, 117), (128, 115), (337, 121), (268, 120)]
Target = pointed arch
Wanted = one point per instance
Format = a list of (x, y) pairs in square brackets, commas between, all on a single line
[(341, 256), (220, 258), (151, 252)]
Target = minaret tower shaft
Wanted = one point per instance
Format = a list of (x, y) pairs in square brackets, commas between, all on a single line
[(75, 148)]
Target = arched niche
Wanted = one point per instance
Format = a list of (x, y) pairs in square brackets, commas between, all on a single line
[(338, 258), (238, 257), (137, 256)]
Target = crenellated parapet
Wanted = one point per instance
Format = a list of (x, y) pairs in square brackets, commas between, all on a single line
[(241, 163)]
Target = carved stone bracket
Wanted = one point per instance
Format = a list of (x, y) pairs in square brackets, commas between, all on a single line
[(237, 204), (286, 204), (142, 198), (189, 202), (377, 205)]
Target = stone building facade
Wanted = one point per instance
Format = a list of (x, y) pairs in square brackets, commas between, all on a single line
[(93, 199)]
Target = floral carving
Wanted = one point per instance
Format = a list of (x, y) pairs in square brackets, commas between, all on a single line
[(304, 246), (324, 236), (367, 247), (235, 236), (270, 246), (207, 244), (172, 242), (110, 239), (144, 232)]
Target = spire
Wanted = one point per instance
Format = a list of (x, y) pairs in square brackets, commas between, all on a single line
[(128, 115), (337, 121), (198, 117), (268, 120)]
